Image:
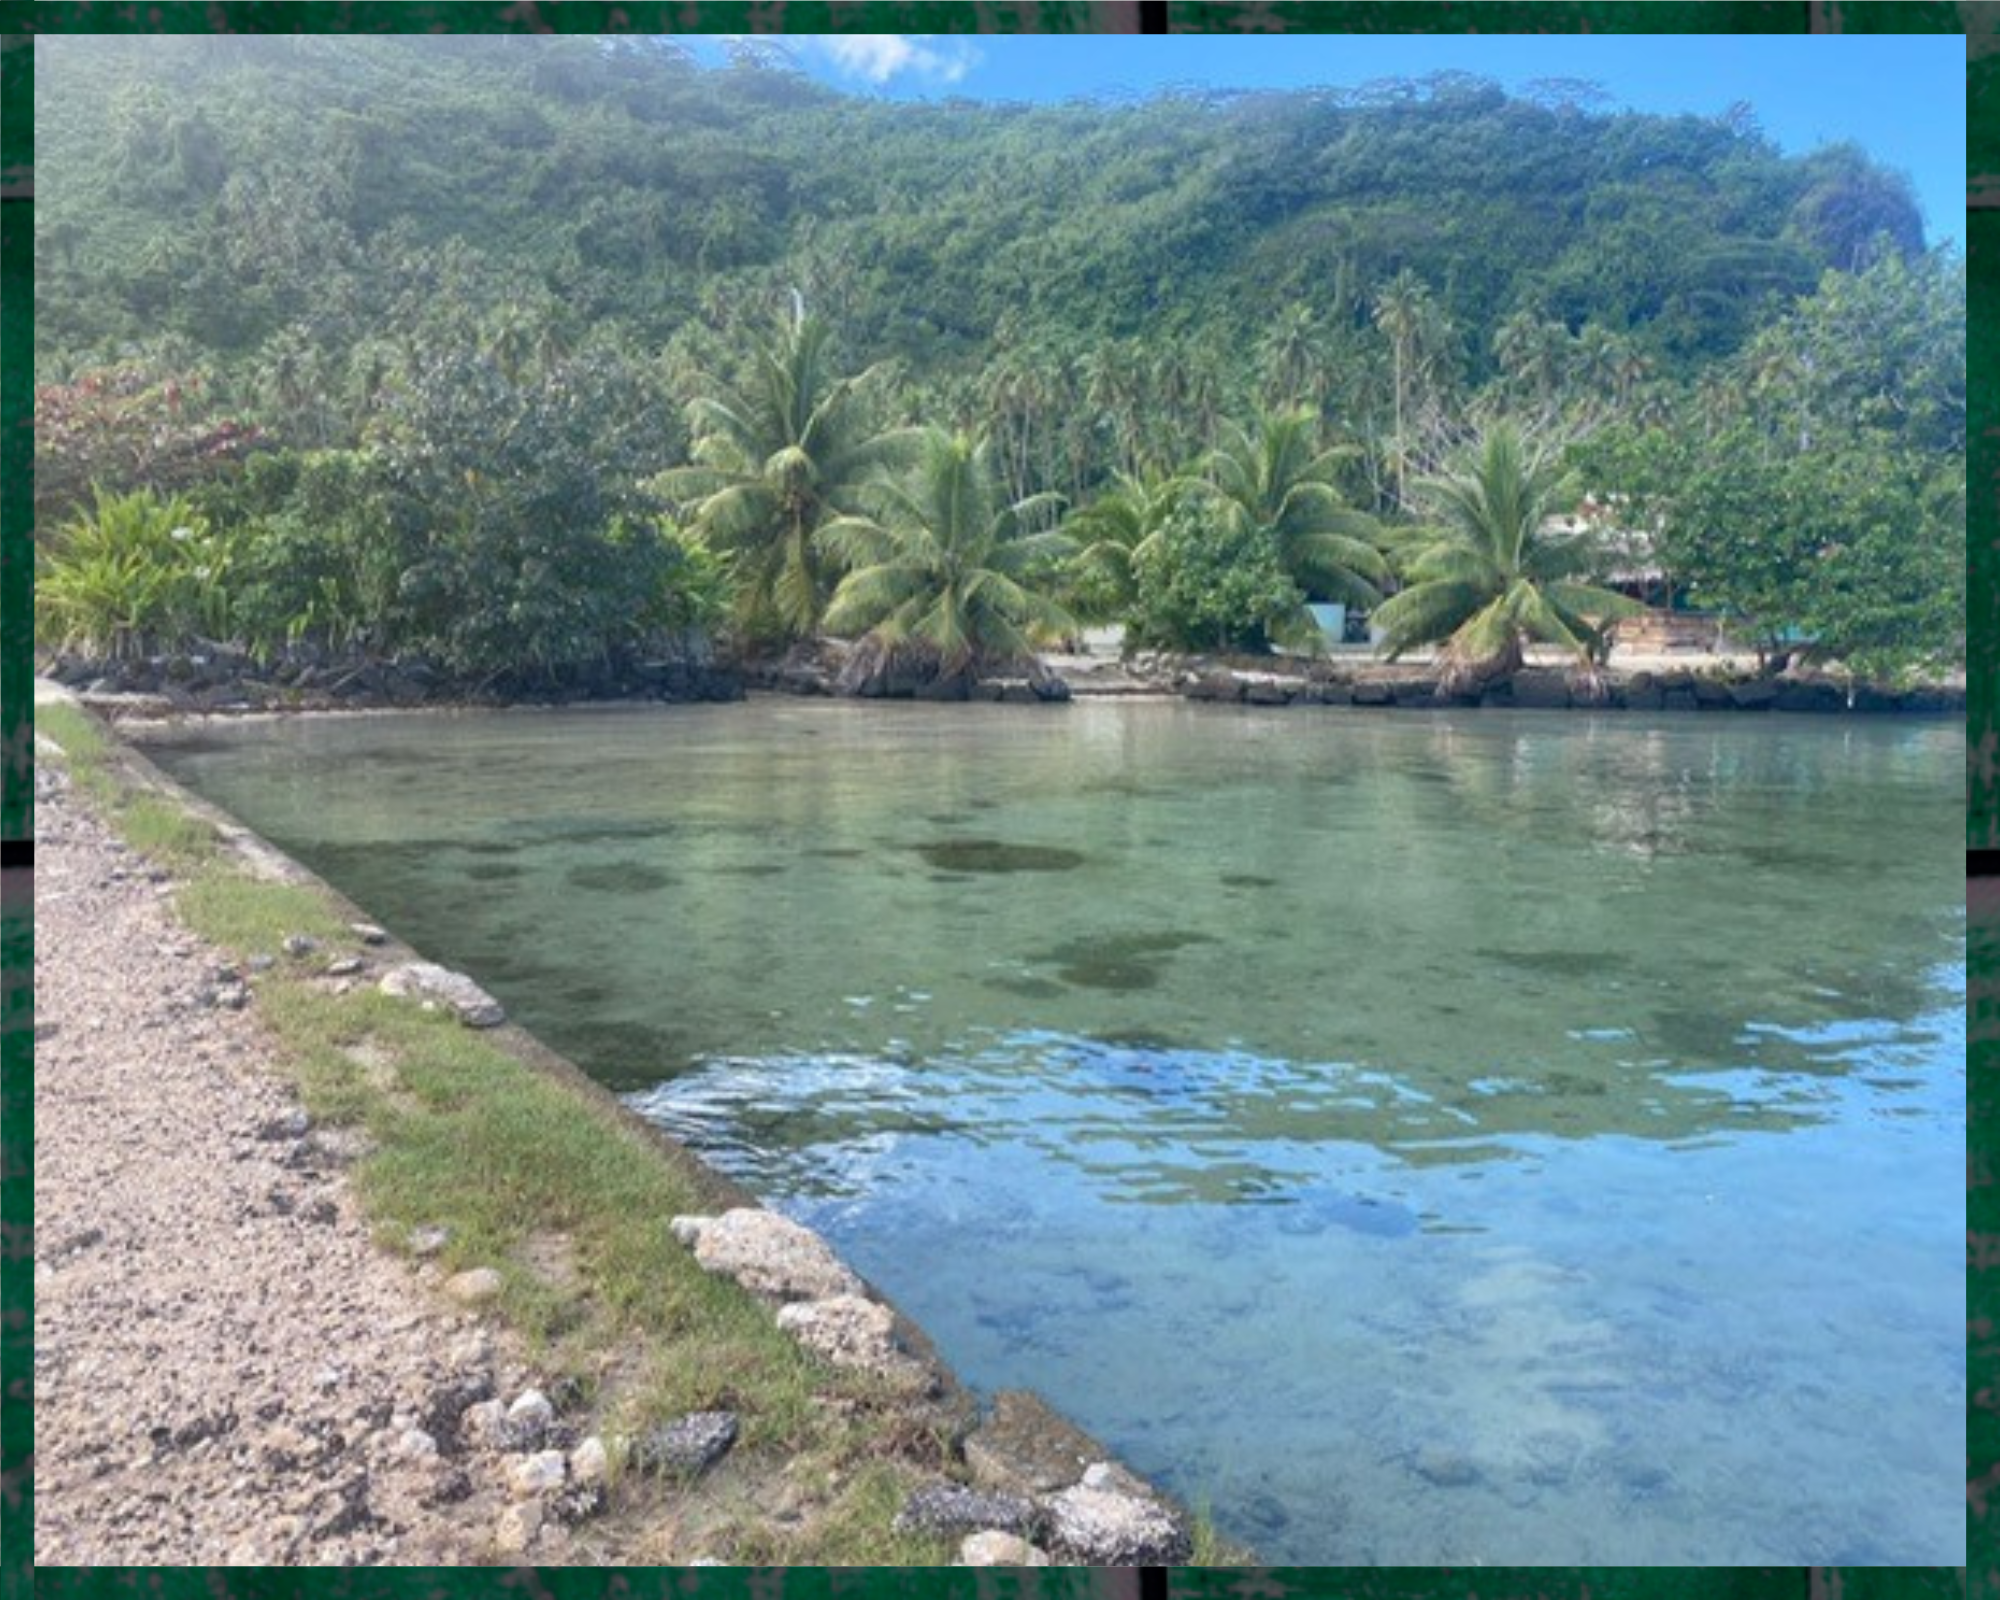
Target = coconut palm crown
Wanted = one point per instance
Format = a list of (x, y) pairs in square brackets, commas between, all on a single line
[(774, 461), (944, 565), (1277, 479), (1115, 531), (1494, 575)]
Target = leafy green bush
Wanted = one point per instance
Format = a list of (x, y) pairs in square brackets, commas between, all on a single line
[(134, 574), (1212, 581), (313, 561), (682, 590), (497, 497)]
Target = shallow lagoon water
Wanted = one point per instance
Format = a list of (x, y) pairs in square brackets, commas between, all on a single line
[(1423, 1138)]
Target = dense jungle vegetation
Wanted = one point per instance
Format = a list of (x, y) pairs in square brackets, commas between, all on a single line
[(525, 354)]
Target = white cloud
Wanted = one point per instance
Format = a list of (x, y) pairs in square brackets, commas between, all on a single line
[(878, 57)]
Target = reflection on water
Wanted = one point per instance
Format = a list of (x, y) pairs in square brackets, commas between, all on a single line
[(1427, 1139)]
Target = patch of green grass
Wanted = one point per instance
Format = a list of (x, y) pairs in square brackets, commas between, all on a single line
[(86, 749), (252, 916), (162, 830)]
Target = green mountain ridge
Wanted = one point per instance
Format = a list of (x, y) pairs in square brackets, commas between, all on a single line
[(235, 193)]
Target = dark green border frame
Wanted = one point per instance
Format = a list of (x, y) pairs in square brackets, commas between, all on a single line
[(19, 20)]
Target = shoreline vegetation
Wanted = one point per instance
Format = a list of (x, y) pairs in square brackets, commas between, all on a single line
[(848, 1440)]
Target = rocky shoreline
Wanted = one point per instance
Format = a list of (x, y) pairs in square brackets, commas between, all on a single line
[(232, 1371), (225, 683)]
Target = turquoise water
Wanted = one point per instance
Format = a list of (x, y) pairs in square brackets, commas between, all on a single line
[(1422, 1138)]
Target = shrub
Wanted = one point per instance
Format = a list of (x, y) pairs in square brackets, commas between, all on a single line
[(133, 575), (1213, 582)]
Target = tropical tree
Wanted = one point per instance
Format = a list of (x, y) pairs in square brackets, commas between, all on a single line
[(1496, 573), (777, 459), (1213, 581), (1113, 534), (943, 564), (1277, 478), (1408, 318)]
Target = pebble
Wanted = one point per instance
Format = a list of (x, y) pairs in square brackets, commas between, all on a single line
[(292, 1125), (588, 1463), (995, 1549), (530, 1417), (416, 1445), (299, 944), (484, 1421), (473, 1352), (474, 1286), (368, 933), (541, 1473), (517, 1527)]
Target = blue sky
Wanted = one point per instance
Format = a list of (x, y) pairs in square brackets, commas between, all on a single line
[(1901, 98)]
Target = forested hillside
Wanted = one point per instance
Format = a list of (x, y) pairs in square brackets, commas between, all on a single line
[(295, 246), (268, 199)]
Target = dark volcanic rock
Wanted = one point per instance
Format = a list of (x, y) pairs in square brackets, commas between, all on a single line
[(687, 1445), (1541, 690), (950, 1508), (1216, 686), (1761, 694), (1809, 696), (1643, 693)]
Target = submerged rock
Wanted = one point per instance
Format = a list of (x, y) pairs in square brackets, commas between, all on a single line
[(768, 1254), (1025, 1448), (997, 855), (425, 980)]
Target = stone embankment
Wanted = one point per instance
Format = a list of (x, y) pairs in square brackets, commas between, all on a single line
[(224, 681), (229, 1371), (220, 679), (1535, 688), (1041, 1490)]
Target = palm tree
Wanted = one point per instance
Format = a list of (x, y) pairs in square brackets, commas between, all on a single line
[(1113, 531), (1494, 576), (1533, 353), (945, 566), (774, 461), (1292, 373), (1277, 479), (1402, 310)]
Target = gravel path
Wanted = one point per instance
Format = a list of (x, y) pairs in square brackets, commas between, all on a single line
[(227, 1372)]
